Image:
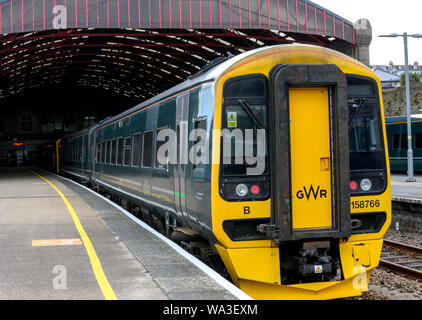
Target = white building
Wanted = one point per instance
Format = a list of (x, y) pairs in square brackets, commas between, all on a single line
[(388, 80)]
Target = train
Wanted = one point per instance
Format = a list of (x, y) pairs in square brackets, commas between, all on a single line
[(398, 142), (272, 164)]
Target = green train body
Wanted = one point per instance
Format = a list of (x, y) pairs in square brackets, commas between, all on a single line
[(119, 156), (74, 155), (398, 143)]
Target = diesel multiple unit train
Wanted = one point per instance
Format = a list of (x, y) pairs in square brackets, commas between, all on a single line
[(276, 158), (398, 142)]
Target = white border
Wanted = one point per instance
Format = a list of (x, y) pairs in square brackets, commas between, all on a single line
[(210, 272)]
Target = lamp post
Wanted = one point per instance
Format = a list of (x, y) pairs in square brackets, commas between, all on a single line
[(410, 171)]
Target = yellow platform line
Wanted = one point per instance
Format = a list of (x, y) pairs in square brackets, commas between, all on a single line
[(102, 281)]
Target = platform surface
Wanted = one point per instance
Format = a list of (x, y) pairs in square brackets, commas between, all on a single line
[(43, 255), (402, 190)]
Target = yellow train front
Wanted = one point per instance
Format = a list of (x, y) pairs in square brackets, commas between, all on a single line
[(303, 215)]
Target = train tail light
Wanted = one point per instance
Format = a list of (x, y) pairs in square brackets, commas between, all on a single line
[(255, 189), (354, 185)]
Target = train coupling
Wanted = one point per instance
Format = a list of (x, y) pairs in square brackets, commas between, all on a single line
[(314, 259)]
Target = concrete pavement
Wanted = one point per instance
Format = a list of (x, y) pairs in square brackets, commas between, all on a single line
[(134, 262)]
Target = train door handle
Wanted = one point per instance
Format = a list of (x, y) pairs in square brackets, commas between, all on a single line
[(325, 164)]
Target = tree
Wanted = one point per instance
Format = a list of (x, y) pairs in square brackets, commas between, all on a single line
[(413, 78)]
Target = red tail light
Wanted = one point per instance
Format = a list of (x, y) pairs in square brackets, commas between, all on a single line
[(255, 189), (354, 185)]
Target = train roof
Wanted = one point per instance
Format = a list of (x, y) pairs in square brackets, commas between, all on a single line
[(400, 119)]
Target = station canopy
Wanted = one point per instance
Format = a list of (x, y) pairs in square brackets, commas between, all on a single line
[(138, 48)]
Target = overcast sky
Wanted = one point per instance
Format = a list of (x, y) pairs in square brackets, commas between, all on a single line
[(386, 17)]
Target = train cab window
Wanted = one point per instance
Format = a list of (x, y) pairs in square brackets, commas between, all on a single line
[(108, 151), (147, 149), (245, 116), (113, 151), (126, 154), (136, 148), (418, 140), (120, 151), (367, 154), (103, 151), (365, 130), (244, 141)]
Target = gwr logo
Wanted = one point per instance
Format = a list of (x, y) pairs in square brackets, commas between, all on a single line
[(318, 193)]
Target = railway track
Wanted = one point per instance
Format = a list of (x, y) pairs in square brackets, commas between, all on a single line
[(402, 258)]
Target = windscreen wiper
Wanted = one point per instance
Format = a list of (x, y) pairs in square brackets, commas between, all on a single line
[(245, 106), (361, 103)]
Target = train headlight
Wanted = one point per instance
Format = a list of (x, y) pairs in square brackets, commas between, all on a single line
[(241, 190), (366, 184)]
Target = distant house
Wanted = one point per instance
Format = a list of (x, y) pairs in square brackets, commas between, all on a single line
[(388, 80), (396, 70)]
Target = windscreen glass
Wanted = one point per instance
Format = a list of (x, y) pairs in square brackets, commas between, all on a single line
[(365, 126)]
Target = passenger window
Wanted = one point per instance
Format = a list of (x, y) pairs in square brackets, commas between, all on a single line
[(158, 144), (136, 149), (98, 158), (126, 157), (396, 141), (103, 152), (400, 141), (404, 143), (418, 140), (108, 151), (147, 149), (120, 151), (113, 151)]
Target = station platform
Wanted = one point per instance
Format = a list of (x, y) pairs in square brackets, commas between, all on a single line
[(403, 191), (60, 241)]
